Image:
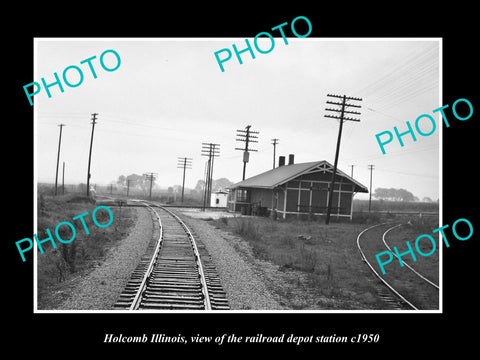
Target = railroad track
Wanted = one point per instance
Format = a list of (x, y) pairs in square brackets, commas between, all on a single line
[(176, 272), (404, 288)]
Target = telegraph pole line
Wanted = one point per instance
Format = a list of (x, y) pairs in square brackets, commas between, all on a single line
[(342, 118), (205, 184), (185, 163), (274, 143), (207, 171), (215, 152), (94, 118), (248, 137), (58, 156), (151, 183), (211, 150), (151, 176), (63, 179), (370, 167)]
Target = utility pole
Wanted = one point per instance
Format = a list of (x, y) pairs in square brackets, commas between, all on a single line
[(128, 186), (185, 163), (151, 183), (207, 165), (152, 176), (370, 167), (352, 170), (248, 137), (342, 118), (274, 143), (94, 118), (211, 150), (58, 156), (63, 179)]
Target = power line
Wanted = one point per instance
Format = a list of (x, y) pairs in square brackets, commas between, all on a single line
[(409, 174), (413, 75), (384, 114), (394, 153), (413, 61)]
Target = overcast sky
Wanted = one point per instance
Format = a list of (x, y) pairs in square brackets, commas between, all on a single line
[(169, 95)]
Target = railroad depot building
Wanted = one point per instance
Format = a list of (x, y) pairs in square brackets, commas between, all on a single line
[(295, 190)]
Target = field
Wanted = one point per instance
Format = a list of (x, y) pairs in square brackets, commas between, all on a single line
[(394, 206), (319, 266), (85, 251), (323, 262)]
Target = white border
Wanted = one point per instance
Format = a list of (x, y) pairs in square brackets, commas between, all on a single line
[(35, 183), (440, 170), (35, 173)]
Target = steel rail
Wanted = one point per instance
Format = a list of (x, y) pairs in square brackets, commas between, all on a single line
[(376, 273), (203, 281), (415, 272), (143, 285)]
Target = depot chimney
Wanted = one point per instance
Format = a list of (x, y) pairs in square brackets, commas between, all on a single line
[(281, 161), (291, 158)]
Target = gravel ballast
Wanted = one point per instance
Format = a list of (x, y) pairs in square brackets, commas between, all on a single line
[(244, 284)]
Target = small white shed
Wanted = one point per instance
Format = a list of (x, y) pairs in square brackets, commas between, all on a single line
[(219, 198)]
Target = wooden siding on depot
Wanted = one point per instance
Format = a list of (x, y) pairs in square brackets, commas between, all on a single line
[(345, 203), (319, 198), (281, 199), (262, 196), (292, 198)]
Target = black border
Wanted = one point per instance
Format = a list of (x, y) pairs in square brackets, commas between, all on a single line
[(84, 333)]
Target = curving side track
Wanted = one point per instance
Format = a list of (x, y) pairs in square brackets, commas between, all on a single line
[(405, 263), (176, 273), (410, 289)]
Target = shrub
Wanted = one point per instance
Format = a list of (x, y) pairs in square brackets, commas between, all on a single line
[(287, 240), (307, 259), (362, 217), (55, 265), (247, 228)]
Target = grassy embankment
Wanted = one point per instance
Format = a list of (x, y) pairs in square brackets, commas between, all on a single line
[(327, 257), (85, 251)]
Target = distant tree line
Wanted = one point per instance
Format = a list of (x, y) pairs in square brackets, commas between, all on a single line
[(397, 195), (135, 181), (141, 182)]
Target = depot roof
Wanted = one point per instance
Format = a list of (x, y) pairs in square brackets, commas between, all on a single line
[(282, 174)]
